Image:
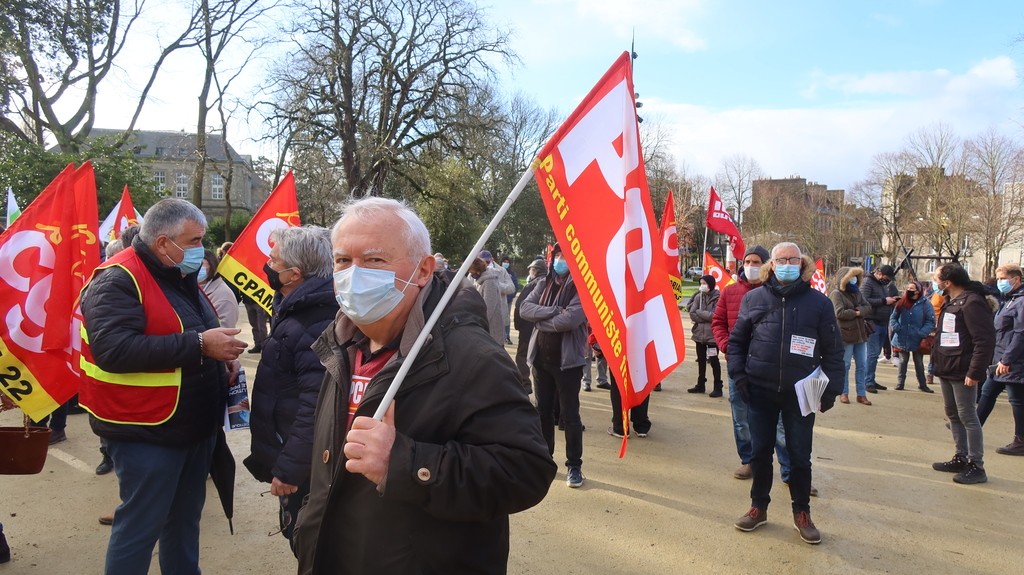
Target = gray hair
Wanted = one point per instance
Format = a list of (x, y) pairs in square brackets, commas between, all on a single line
[(307, 248), (114, 247), (415, 235), (167, 218), (784, 245)]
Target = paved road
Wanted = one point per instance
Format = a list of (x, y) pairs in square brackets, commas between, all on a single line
[(666, 508)]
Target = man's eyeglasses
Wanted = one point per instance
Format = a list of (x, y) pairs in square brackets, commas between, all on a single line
[(784, 261)]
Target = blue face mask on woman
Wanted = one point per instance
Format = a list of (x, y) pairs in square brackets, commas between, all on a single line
[(192, 259), (787, 272), (561, 266)]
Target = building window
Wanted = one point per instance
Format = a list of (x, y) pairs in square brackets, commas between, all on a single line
[(160, 182), (217, 187), (181, 185), (159, 151)]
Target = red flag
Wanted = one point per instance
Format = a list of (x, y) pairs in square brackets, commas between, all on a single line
[(818, 279), (670, 247), (125, 214), (717, 271), (719, 220), (243, 264), (45, 258), (592, 180)]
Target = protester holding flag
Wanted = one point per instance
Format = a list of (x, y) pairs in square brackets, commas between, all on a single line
[(784, 331), (727, 311), (430, 487), (156, 366), (852, 311), (557, 354), (702, 310)]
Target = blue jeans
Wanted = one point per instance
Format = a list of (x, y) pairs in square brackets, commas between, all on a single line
[(741, 432), (962, 412), (874, 347), (163, 490), (990, 390), (856, 351), (766, 408)]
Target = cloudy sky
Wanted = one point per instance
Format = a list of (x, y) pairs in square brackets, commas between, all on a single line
[(803, 87)]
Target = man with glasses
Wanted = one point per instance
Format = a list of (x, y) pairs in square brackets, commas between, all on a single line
[(881, 293), (785, 331)]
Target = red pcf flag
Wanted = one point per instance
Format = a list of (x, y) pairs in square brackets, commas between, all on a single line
[(592, 180), (719, 220), (243, 264), (717, 271), (46, 256), (818, 279), (125, 214), (670, 248)]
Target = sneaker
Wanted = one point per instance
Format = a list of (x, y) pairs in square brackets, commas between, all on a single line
[(955, 465), (1015, 447), (575, 477), (604, 385), (508, 341), (641, 435), (808, 532), (611, 431), (58, 436), (970, 475), (696, 389), (744, 472), (586, 387), (752, 520)]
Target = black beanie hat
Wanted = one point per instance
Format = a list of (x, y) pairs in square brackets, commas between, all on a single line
[(710, 280)]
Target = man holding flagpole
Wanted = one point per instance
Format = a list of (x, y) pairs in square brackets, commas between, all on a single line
[(430, 486)]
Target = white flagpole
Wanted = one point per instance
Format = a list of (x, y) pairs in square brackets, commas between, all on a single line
[(417, 345)]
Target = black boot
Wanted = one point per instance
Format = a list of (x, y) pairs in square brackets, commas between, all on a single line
[(105, 466), (717, 391), (699, 388)]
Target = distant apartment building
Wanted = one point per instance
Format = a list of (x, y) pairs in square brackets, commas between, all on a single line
[(817, 218), (171, 158)]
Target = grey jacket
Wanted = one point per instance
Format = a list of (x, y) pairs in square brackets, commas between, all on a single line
[(494, 285), (702, 309), (1009, 323), (568, 320)]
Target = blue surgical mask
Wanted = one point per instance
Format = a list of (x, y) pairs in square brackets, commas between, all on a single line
[(1004, 286), (787, 272), (561, 266), (853, 281), (505, 265), (935, 286), (192, 259), (367, 295), (203, 274)]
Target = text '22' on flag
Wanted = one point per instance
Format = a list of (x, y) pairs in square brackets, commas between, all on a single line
[(592, 180)]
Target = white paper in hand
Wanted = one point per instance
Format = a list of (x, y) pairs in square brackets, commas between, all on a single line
[(809, 391)]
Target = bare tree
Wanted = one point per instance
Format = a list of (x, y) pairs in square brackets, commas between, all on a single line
[(735, 182), (889, 190), (996, 163), (380, 79)]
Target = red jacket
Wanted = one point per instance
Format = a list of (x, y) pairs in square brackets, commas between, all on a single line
[(728, 309)]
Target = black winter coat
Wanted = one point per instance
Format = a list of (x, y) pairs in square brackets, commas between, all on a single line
[(762, 349), (969, 339), (468, 452), (288, 382), (874, 293), (116, 323)]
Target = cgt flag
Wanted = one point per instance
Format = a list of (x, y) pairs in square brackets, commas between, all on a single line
[(818, 279), (670, 247), (719, 220), (45, 258), (127, 215), (592, 180), (717, 271), (243, 264)]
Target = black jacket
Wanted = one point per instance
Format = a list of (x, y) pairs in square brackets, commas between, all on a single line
[(288, 382), (874, 293), (965, 338), (761, 345), (468, 452), (116, 324)]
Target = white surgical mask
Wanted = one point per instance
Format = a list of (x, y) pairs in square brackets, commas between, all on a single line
[(753, 272), (704, 288), (367, 295)]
